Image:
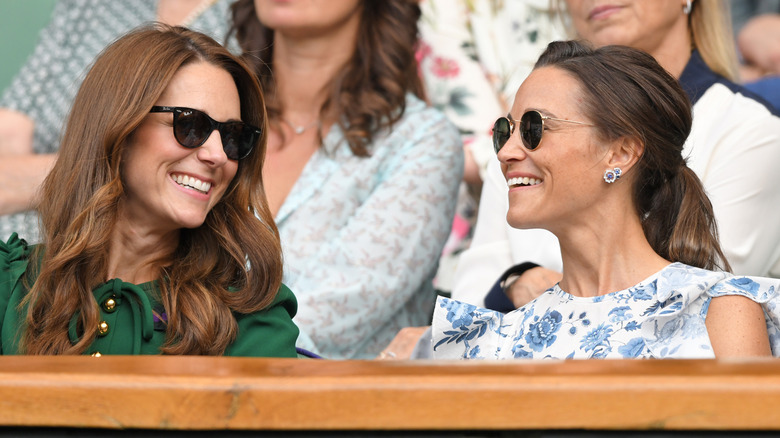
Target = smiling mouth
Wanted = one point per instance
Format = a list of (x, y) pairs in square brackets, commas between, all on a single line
[(192, 183), (522, 182)]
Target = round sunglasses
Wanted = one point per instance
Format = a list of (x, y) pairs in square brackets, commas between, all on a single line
[(531, 129), (192, 128)]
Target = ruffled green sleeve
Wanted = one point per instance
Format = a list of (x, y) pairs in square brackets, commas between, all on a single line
[(270, 332), (14, 260)]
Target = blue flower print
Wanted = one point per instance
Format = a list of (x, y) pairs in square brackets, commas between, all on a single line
[(631, 326), (596, 337), (521, 353), (541, 334), (601, 351), (620, 314), (474, 353), (644, 293), (633, 348), (744, 283), (458, 313)]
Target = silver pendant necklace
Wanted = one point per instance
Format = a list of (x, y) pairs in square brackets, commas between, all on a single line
[(299, 129)]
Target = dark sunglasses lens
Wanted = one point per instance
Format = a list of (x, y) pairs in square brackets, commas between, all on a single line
[(191, 128), (501, 132), (531, 128), (237, 140)]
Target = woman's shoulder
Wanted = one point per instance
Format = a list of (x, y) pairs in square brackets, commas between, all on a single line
[(731, 105), (270, 332), (14, 253), (14, 262), (286, 298), (423, 117), (464, 331), (422, 131), (759, 289), (679, 276)]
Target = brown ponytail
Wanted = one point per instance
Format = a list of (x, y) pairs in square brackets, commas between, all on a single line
[(679, 222), (628, 94)]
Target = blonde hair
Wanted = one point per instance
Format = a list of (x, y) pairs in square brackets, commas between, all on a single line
[(710, 27)]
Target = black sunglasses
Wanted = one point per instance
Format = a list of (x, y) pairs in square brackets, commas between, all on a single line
[(531, 129), (192, 128)]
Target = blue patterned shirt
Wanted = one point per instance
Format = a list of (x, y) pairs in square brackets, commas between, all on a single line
[(661, 317)]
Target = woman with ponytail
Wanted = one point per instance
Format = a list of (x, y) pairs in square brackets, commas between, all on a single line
[(151, 244), (592, 152), (734, 148)]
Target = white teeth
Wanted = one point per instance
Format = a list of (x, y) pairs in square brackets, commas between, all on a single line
[(524, 181), (192, 182)]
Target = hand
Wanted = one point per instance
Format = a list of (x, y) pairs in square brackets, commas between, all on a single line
[(16, 133), (530, 284), (401, 347)]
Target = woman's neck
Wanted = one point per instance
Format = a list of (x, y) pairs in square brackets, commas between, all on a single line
[(607, 255), (673, 50), (135, 252), (305, 65)]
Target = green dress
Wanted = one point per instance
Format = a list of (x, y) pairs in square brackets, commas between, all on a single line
[(132, 318)]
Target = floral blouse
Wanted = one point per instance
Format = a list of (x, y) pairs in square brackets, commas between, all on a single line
[(362, 235), (661, 317)]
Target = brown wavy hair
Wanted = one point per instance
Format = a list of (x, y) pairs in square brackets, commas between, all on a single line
[(206, 278), (369, 94), (627, 94)]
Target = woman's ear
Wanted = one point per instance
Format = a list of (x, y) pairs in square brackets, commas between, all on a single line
[(625, 153)]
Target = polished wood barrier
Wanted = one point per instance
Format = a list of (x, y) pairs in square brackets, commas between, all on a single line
[(288, 394)]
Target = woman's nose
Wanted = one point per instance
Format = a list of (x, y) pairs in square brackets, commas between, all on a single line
[(212, 152)]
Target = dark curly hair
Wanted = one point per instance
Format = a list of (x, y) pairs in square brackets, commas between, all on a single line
[(369, 93)]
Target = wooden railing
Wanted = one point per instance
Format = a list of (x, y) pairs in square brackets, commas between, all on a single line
[(288, 394)]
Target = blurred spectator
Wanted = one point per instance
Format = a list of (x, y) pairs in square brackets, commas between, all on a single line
[(360, 174), (757, 32), (473, 56)]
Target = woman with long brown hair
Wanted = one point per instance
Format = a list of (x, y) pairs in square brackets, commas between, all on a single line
[(360, 174), (592, 152), (151, 242)]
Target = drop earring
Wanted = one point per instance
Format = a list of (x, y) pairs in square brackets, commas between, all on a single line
[(687, 8), (612, 175)]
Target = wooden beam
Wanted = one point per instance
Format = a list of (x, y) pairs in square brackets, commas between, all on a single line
[(155, 392)]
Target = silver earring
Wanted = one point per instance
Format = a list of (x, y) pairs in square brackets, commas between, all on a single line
[(687, 8), (612, 175)]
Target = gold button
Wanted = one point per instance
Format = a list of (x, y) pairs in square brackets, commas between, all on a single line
[(96, 354), (103, 328), (109, 305)]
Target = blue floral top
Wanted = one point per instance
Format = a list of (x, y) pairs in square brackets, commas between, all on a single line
[(661, 317)]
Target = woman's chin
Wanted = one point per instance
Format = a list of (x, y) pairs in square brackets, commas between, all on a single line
[(521, 223)]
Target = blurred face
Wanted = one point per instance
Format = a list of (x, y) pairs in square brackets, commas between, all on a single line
[(642, 24), (561, 179), (168, 186), (307, 17)]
